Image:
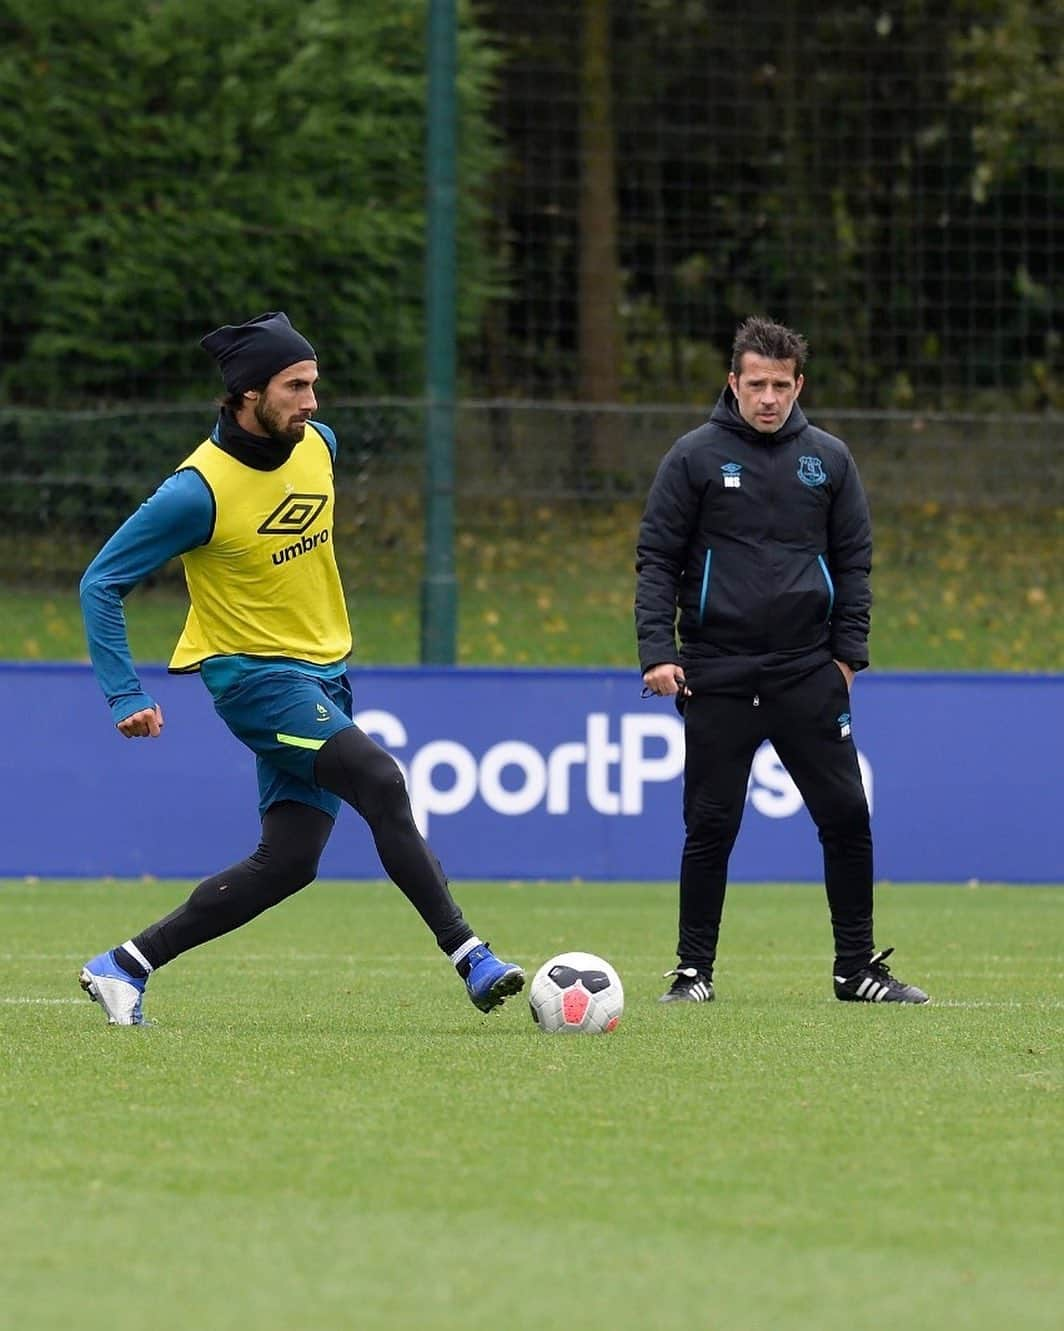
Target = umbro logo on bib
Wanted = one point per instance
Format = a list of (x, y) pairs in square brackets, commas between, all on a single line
[(293, 515)]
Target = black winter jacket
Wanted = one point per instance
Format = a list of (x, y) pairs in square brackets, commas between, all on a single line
[(763, 544)]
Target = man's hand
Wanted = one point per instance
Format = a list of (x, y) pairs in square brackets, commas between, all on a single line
[(665, 680), (146, 724), (847, 673)]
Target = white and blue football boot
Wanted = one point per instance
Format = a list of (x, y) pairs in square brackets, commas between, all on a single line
[(117, 992), (489, 981)]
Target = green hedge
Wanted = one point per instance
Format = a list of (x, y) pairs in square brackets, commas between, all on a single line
[(168, 167)]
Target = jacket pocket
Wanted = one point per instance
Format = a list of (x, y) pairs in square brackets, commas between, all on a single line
[(802, 604)]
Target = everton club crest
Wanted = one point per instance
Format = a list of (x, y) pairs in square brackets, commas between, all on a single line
[(811, 471)]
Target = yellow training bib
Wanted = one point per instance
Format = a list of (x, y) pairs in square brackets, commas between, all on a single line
[(266, 582)]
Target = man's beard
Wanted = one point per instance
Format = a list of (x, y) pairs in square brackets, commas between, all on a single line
[(272, 422)]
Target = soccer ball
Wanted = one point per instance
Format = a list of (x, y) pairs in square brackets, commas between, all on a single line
[(578, 992)]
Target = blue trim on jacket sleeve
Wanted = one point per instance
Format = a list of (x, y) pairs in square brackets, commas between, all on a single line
[(177, 517)]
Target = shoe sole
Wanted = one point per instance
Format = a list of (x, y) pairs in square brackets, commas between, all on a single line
[(504, 987), (885, 1002), (685, 998)]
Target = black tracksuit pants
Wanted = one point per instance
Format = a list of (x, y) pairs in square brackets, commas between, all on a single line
[(803, 718)]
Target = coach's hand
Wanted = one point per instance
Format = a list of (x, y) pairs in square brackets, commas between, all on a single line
[(847, 673), (665, 680), (146, 724)]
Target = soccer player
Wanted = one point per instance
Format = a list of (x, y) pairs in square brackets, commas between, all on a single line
[(250, 513), (756, 539)]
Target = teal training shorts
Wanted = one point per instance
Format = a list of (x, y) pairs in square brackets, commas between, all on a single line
[(284, 717)]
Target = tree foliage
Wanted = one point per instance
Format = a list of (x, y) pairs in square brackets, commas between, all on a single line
[(818, 165), (887, 177), (1009, 71), (175, 164)]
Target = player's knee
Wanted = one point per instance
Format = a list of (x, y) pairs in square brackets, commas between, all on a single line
[(381, 789), (299, 869), (281, 869)]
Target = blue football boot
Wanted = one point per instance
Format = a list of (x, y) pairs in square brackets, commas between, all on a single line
[(490, 981), (117, 992)]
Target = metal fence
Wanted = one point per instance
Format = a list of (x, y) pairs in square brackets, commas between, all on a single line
[(71, 478), (887, 178)]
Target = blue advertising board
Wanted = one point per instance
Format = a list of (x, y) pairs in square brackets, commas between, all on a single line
[(526, 774)]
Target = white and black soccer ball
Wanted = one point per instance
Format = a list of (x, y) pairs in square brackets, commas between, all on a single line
[(577, 992)]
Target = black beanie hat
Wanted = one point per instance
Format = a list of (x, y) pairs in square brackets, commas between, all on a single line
[(250, 354)]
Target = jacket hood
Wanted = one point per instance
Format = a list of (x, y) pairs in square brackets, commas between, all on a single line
[(727, 415)]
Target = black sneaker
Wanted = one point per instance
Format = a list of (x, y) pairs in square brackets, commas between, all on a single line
[(875, 984), (689, 986)]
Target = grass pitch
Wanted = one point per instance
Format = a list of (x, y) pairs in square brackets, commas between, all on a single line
[(321, 1132)]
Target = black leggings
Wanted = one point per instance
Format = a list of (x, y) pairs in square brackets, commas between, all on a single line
[(365, 776), (286, 859), (368, 778)]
